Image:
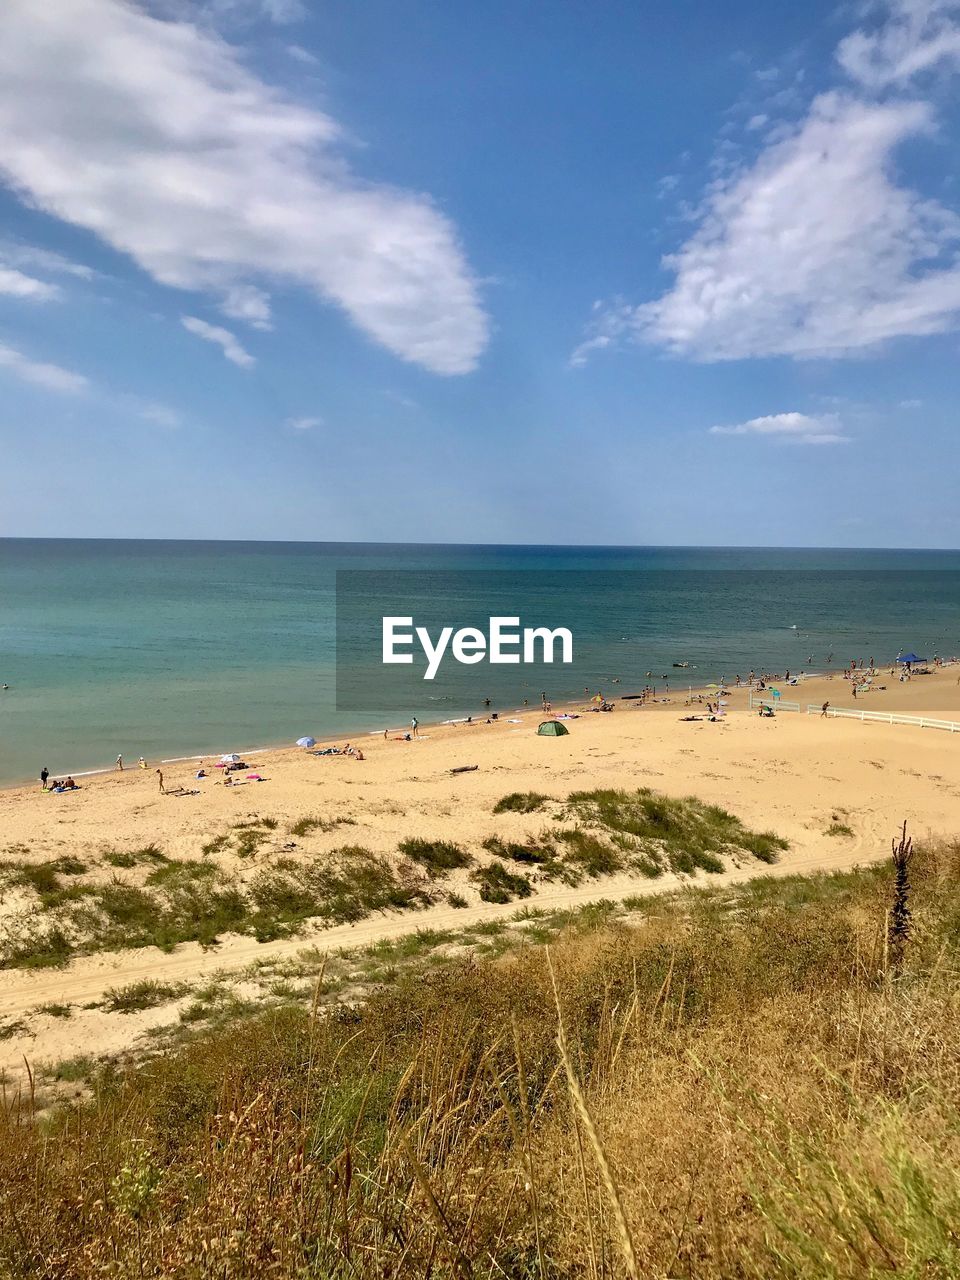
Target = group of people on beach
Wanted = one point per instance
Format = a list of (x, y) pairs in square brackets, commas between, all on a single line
[(56, 784), (347, 750)]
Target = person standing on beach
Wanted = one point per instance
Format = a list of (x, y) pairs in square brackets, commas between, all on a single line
[(415, 726), (160, 778), (823, 710), (44, 775), (119, 764)]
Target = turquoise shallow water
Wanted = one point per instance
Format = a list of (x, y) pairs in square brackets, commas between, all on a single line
[(167, 648)]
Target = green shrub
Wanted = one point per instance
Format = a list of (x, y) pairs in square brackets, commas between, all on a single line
[(437, 856), (140, 995), (521, 802), (497, 884)]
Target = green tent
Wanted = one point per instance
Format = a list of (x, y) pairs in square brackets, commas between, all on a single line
[(553, 729)]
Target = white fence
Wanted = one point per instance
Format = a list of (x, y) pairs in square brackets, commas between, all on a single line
[(778, 704), (884, 717)]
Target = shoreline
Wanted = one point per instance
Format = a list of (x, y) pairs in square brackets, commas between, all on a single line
[(662, 698), (567, 706), (559, 707)]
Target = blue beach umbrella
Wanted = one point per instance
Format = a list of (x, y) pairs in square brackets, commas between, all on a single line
[(909, 658), (306, 742)]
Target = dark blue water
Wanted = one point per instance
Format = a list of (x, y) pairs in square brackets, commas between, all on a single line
[(166, 648)]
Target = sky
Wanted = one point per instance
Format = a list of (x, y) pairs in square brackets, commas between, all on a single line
[(622, 273)]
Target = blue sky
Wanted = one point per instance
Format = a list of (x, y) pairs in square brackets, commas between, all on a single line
[(405, 270)]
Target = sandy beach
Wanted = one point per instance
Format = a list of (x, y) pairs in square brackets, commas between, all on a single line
[(795, 774)]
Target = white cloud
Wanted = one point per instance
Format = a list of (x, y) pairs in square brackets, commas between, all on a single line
[(398, 397), (299, 54), (14, 284), (159, 415), (222, 338), (790, 428), (16, 254), (918, 36), (911, 404), (281, 11), (597, 342), (250, 304), (50, 376), (304, 424), (284, 10), (815, 248), (233, 12), (160, 141)]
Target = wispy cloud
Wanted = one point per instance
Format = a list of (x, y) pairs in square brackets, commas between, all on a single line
[(162, 142), (14, 284), (789, 428), (247, 303), (50, 376), (608, 323), (917, 36), (222, 338), (229, 13), (398, 397), (304, 56), (158, 415), (280, 11), (815, 248), (13, 253), (304, 424)]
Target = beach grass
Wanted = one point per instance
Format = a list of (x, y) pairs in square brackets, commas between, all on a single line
[(166, 901), (137, 996), (438, 857), (735, 1084), (303, 826), (131, 858), (521, 802), (498, 884)]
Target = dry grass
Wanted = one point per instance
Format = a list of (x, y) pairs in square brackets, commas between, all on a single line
[(736, 1087)]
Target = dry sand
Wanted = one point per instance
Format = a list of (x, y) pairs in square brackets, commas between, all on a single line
[(791, 774)]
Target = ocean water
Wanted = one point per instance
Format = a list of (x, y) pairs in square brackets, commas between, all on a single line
[(175, 648)]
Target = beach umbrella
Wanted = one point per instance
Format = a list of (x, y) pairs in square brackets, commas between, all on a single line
[(232, 758), (910, 657), (306, 742)]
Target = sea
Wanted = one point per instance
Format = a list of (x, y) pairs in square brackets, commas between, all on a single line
[(169, 649)]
